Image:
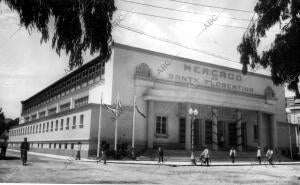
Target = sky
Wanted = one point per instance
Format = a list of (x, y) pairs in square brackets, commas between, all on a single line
[(26, 66)]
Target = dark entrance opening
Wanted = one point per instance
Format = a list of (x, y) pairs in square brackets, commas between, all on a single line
[(182, 130), (232, 134)]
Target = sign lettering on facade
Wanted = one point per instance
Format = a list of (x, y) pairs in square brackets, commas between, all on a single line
[(197, 75)]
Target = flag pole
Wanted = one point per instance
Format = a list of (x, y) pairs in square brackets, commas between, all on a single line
[(99, 128), (133, 125), (116, 125)]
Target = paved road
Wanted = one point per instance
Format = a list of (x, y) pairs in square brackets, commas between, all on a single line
[(49, 170)]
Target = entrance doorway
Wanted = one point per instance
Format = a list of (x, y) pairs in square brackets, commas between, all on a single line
[(232, 134), (181, 130)]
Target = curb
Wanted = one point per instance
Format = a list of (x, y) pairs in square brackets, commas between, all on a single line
[(171, 164)]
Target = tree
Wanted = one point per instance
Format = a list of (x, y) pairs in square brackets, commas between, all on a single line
[(283, 57), (2, 122), (79, 25)]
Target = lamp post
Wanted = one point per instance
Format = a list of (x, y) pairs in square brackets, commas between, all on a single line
[(290, 138), (193, 114)]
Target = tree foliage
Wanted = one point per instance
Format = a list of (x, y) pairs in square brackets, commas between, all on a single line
[(79, 25), (283, 57)]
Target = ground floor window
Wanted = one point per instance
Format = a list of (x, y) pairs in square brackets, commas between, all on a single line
[(161, 124), (72, 146)]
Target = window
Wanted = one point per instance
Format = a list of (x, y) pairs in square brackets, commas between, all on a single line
[(161, 125), (36, 131), (38, 145), (68, 122), (61, 124), (65, 107), (59, 145), (33, 117), (81, 121), (47, 127), (51, 126), (33, 129), (54, 145), (72, 146), (40, 128), (255, 131), (42, 114), (27, 119), (43, 127), (56, 125), (66, 146), (42, 145), (74, 122), (81, 101), (50, 145), (51, 111)]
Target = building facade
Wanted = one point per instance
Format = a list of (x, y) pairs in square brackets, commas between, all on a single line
[(293, 112), (234, 109)]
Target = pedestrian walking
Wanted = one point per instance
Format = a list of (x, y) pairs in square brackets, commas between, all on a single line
[(4, 147), (269, 155), (160, 153), (205, 155), (24, 149), (258, 154), (232, 154), (78, 151), (103, 157)]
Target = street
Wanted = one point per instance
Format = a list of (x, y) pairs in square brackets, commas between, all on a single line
[(49, 170)]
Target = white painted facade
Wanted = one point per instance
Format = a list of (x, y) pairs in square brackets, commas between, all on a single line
[(165, 87)]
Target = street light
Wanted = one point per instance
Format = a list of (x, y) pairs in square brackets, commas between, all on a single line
[(193, 114)]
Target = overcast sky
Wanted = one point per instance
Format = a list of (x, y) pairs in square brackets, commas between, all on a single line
[(27, 67)]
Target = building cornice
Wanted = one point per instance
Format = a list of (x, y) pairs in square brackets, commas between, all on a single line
[(182, 59)]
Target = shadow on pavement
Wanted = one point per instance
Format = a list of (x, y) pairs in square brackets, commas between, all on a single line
[(11, 158)]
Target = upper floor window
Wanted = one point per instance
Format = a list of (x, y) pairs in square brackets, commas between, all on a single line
[(51, 126), (161, 124), (56, 125), (68, 124), (42, 114), (81, 101), (51, 111), (27, 118), (43, 127), (65, 107), (61, 124), (81, 121), (33, 116), (47, 127), (40, 128), (74, 122)]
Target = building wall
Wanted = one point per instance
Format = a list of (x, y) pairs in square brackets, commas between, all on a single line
[(125, 83)]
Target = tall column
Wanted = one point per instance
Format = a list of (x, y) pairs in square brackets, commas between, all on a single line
[(71, 103), (57, 108), (188, 129), (274, 132), (214, 128), (260, 133), (239, 130), (150, 123)]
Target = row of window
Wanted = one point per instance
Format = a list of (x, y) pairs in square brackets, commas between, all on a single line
[(47, 127), (88, 74), (64, 107), (51, 145)]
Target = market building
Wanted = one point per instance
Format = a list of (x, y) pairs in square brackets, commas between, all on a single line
[(234, 109)]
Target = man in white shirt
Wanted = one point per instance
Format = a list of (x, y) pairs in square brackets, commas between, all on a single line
[(258, 155), (232, 154)]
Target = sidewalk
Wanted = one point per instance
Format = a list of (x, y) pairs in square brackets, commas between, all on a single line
[(173, 163)]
